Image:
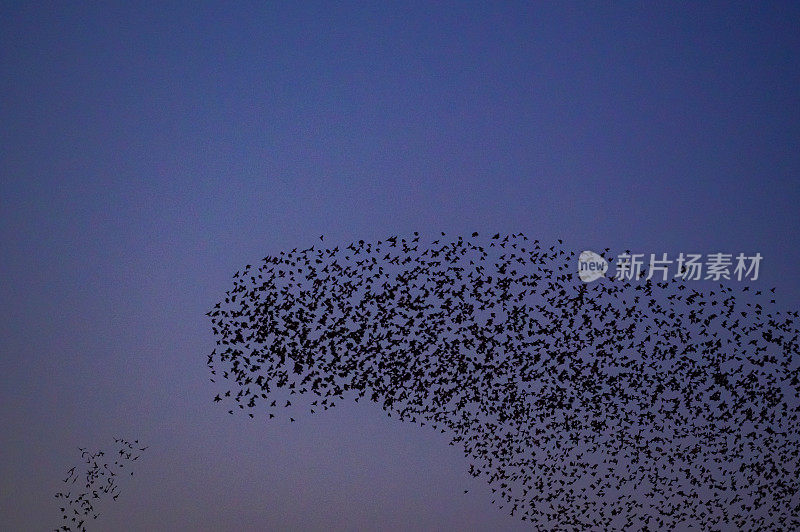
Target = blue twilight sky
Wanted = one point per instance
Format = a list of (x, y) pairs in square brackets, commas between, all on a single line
[(147, 152)]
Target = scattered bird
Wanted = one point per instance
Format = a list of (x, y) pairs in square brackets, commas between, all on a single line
[(96, 479)]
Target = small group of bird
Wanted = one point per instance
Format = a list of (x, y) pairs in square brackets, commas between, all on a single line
[(621, 404), (94, 479)]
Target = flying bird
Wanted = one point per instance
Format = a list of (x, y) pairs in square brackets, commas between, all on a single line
[(98, 480), (621, 404)]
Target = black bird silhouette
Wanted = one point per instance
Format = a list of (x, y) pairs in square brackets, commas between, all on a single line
[(613, 405), (97, 480)]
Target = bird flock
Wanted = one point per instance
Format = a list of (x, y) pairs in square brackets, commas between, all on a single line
[(618, 404), (94, 479)]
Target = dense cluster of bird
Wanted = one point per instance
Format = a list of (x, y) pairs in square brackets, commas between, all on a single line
[(92, 480), (643, 404)]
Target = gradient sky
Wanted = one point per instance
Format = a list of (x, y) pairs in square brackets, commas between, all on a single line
[(148, 152)]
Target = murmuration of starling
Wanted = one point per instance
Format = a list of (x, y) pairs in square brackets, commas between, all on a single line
[(631, 404)]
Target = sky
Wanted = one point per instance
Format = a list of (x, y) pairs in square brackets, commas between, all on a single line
[(148, 152)]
